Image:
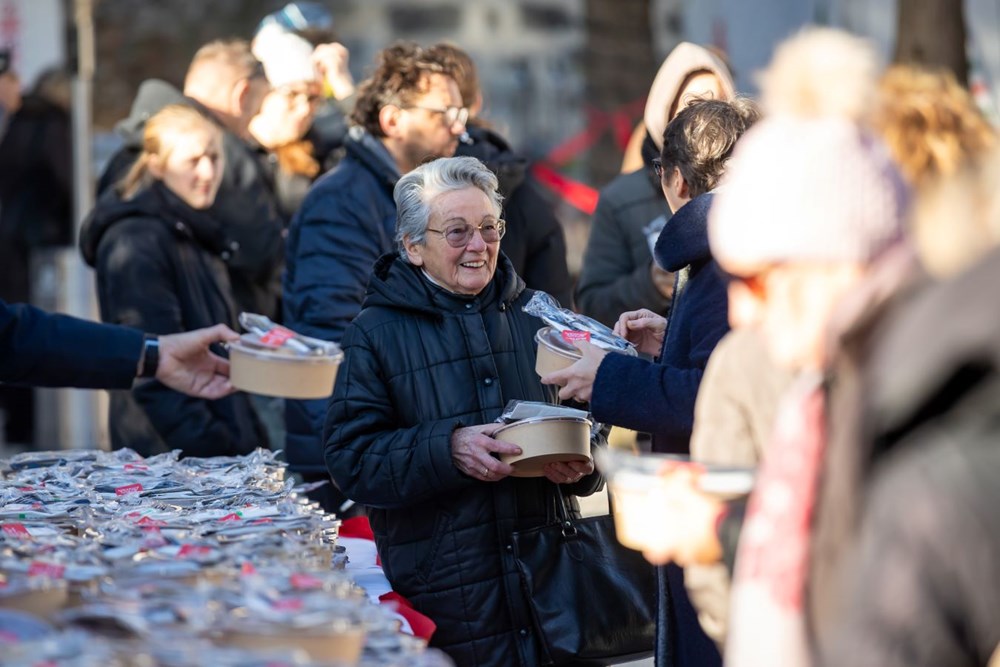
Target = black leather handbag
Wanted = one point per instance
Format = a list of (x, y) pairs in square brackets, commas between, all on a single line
[(591, 598)]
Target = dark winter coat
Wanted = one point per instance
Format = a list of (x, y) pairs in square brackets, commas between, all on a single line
[(924, 588), (51, 350), (658, 398), (419, 363), (246, 205), (534, 242), (160, 268), (616, 273), (346, 222), (36, 190)]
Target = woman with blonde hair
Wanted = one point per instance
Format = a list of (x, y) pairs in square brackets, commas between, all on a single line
[(161, 261), (930, 123)]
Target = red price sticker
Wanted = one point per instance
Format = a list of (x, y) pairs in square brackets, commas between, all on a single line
[(247, 569), (305, 582), (260, 521), (150, 523), (231, 517), (49, 570), (571, 335), (288, 604), (16, 530), (128, 488), (135, 466), (191, 550), (276, 337)]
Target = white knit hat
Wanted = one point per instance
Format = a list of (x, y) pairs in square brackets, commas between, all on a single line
[(287, 58), (809, 182), (819, 189)]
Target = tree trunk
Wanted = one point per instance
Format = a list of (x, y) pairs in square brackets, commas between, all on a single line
[(619, 66), (932, 33)]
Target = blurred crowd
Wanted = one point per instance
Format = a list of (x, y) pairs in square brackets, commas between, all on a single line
[(808, 278)]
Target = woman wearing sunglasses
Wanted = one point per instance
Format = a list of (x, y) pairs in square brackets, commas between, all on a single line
[(440, 346)]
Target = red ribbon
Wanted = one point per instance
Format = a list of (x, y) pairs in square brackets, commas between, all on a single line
[(619, 122), (421, 625)]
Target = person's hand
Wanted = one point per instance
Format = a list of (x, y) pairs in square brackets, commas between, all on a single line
[(331, 62), (690, 518), (577, 381), (569, 472), (644, 329), (663, 281), (10, 92), (472, 450), (188, 366)]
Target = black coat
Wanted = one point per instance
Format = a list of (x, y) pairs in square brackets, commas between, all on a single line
[(160, 268), (420, 362), (535, 242), (36, 190)]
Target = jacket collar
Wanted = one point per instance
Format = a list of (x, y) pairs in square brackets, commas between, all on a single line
[(161, 206), (398, 284), (684, 240), (373, 154)]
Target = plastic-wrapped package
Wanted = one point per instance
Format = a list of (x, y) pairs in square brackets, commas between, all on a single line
[(516, 410), (543, 306), (275, 361), (264, 333), (145, 556)]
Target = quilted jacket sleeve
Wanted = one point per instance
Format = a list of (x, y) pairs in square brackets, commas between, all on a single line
[(373, 460)]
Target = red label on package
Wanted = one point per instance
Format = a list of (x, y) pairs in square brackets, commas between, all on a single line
[(128, 488), (16, 530), (26, 488), (150, 523), (571, 335), (304, 582), (277, 336), (50, 570), (231, 517), (135, 466), (288, 604), (247, 569), (264, 520), (193, 550)]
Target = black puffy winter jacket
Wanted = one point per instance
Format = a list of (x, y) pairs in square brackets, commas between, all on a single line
[(420, 362), (160, 269)]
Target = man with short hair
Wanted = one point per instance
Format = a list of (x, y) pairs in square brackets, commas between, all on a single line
[(226, 83), (410, 111), (535, 243), (226, 78)]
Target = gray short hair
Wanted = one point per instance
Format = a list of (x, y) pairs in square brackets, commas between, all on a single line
[(415, 191)]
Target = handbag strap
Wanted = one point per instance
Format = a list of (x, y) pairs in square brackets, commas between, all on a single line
[(564, 517)]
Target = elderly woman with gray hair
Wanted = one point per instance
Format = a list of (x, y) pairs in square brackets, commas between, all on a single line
[(440, 346)]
